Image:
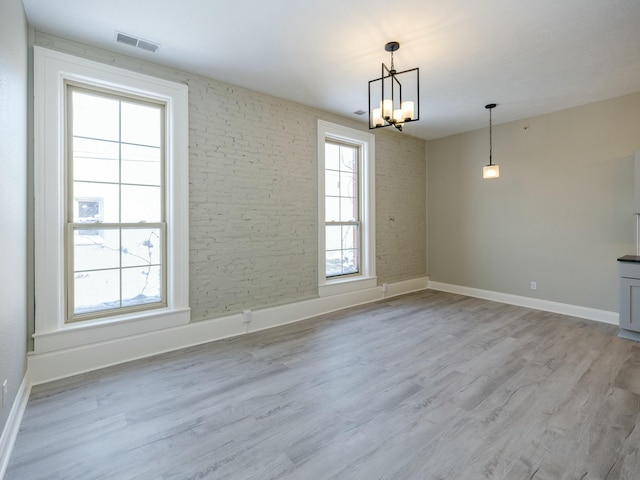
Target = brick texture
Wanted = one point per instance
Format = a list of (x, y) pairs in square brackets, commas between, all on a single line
[(401, 219), (253, 193)]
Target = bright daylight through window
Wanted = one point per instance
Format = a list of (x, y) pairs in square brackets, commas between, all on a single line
[(342, 209), (115, 212)]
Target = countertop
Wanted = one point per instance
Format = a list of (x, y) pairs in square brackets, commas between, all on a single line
[(630, 259)]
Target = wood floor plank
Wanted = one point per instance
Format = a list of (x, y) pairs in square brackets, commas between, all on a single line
[(425, 386)]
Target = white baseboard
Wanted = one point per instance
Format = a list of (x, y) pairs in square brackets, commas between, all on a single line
[(603, 316), (48, 366), (45, 367), (10, 431)]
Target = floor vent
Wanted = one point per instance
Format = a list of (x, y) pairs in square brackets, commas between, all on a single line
[(136, 42)]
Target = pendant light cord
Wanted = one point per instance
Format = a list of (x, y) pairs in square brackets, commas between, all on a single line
[(490, 107), (490, 139)]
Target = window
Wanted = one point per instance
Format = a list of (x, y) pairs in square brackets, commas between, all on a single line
[(115, 149), (346, 209), (111, 202), (342, 209)]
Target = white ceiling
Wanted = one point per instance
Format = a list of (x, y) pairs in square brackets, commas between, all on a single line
[(528, 56)]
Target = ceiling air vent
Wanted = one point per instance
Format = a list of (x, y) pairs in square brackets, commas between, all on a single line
[(136, 42)]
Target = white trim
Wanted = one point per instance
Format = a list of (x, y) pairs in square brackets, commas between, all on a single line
[(45, 367), (51, 70), (346, 285), (84, 333), (603, 316), (11, 428), (406, 286), (366, 142)]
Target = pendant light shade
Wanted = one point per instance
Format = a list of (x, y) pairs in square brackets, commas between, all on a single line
[(491, 170)]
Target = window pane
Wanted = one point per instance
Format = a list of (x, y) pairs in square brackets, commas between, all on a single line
[(334, 263), (141, 124), (141, 285), (96, 291), (348, 158), (333, 237), (104, 193), (349, 237), (349, 262), (332, 209), (95, 160), (95, 117), (332, 156), (332, 183), (347, 185), (141, 165), (141, 204), (96, 251), (141, 247), (348, 209)]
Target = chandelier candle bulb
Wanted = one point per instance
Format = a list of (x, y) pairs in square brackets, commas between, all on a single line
[(398, 115), (408, 109), (378, 121), (387, 108)]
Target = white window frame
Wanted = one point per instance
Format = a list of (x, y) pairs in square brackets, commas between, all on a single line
[(366, 278), (51, 71)]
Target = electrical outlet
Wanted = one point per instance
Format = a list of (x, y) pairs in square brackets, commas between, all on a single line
[(533, 285), (246, 316)]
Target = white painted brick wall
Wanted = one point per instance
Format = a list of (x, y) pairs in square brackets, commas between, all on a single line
[(401, 218), (253, 193)]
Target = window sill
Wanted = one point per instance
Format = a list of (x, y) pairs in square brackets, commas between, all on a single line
[(101, 330), (346, 285)]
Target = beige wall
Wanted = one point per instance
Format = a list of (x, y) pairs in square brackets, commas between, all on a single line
[(13, 199), (560, 213)]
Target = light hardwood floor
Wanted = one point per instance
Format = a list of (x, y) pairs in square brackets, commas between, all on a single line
[(425, 386)]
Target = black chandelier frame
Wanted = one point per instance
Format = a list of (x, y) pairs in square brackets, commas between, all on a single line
[(393, 77)]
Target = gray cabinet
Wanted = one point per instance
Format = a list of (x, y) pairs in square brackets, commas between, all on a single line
[(630, 297)]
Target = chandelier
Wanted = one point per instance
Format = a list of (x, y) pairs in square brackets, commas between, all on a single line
[(394, 98)]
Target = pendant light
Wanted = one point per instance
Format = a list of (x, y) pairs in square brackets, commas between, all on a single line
[(491, 170)]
